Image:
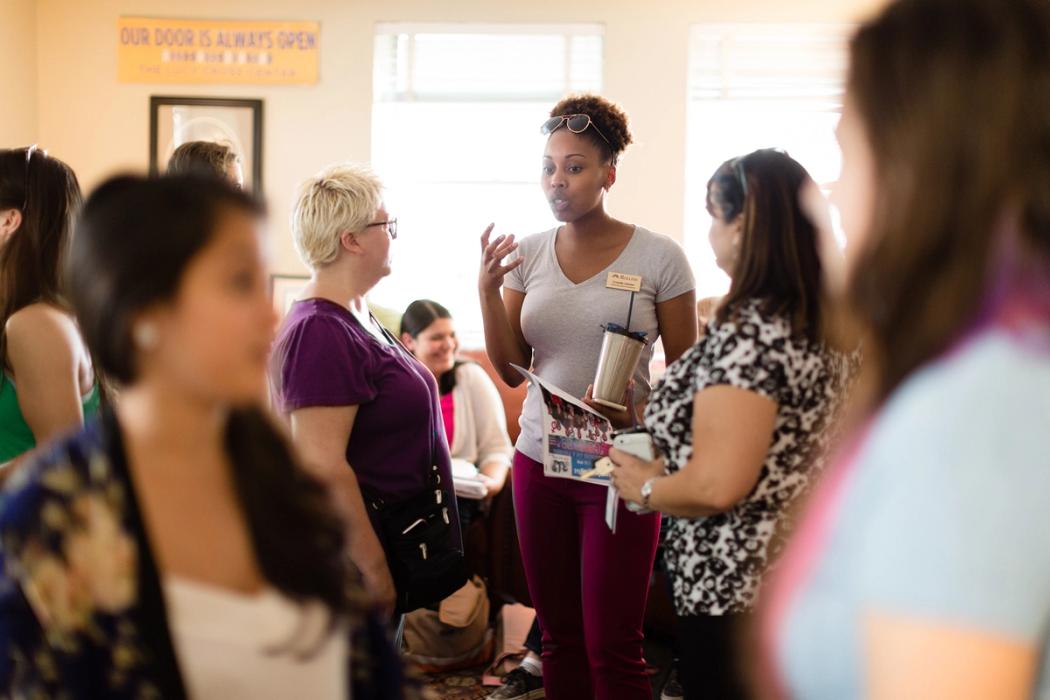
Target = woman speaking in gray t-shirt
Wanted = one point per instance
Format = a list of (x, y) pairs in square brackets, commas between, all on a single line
[(589, 585)]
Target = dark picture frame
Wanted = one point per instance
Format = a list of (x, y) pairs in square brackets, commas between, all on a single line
[(237, 122)]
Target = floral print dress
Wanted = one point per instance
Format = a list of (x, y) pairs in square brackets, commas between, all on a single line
[(82, 612), (717, 563)]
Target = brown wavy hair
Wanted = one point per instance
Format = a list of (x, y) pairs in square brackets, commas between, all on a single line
[(954, 96), (605, 114), (47, 193), (202, 158)]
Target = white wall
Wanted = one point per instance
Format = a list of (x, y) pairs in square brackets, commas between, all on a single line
[(99, 125), (18, 73)]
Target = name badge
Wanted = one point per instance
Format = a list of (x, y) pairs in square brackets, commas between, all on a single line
[(620, 280)]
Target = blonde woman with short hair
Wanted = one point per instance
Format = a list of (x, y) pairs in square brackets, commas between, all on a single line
[(362, 410)]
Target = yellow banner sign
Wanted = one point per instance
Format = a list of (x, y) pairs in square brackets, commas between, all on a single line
[(205, 51)]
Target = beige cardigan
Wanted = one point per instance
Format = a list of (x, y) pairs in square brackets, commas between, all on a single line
[(479, 433)]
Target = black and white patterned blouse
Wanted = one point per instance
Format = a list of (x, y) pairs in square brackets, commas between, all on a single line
[(716, 563)]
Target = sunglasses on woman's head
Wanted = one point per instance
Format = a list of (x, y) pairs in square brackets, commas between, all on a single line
[(576, 123)]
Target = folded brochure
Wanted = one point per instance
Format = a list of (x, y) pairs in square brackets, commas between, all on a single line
[(576, 441)]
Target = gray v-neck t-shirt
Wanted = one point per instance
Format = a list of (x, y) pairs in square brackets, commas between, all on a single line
[(562, 321)]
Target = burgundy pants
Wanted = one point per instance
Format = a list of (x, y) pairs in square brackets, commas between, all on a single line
[(588, 585)]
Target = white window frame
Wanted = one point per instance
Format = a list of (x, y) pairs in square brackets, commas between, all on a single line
[(722, 75), (460, 267)]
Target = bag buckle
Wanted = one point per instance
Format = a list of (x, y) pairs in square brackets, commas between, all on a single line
[(423, 549)]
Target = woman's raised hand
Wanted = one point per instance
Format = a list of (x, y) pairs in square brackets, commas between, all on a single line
[(493, 251)]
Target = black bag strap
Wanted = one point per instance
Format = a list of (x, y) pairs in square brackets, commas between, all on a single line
[(434, 475)]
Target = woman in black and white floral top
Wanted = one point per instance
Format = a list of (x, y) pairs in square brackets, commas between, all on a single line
[(741, 420)]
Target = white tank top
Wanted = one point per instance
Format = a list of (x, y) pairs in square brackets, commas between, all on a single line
[(234, 646)]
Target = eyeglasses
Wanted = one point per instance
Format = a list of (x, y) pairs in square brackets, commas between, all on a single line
[(391, 227), (29, 159), (576, 123)]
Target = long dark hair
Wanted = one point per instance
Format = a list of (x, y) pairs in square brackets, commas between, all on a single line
[(416, 319), (47, 193), (954, 98), (778, 262), (132, 246)]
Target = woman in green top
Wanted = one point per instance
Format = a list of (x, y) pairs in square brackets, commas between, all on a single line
[(47, 384)]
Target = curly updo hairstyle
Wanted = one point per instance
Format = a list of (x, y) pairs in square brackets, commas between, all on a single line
[(608, 116)]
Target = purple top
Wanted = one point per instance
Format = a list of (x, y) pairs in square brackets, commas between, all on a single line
[(325, 357)]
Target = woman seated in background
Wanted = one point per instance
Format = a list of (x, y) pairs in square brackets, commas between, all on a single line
[(742, 419), (175, 549), (471, 409), (922, 568), (47, 384)]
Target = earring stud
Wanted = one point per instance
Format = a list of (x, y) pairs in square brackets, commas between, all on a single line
[(145, 336)]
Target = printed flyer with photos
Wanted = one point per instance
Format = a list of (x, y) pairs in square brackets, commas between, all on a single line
[(575, 436)]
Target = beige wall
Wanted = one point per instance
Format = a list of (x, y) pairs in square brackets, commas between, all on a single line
[(99, 125), (18, 73)]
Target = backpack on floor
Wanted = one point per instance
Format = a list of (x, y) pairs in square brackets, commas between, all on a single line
[(454, 636)]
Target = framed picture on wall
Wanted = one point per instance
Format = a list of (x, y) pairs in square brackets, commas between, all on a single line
[(284, 289), (237, 123)]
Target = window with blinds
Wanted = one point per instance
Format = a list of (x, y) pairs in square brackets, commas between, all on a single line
[(456, 115), (758, 86), (500, 63), (768, 62)]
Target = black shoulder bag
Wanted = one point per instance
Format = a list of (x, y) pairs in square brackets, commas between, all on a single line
[(418, 537)]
